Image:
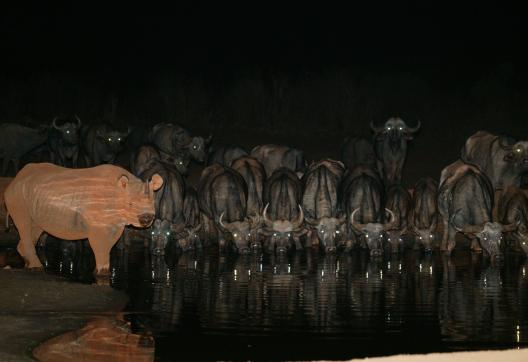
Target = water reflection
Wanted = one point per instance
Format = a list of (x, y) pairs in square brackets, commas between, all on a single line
[(414, 301)]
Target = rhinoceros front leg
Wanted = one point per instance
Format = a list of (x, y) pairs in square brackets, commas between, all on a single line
[(102, 239)]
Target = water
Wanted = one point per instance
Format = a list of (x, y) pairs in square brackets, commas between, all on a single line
[(312, 306)]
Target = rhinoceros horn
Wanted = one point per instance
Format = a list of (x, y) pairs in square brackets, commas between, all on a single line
[(376, 129), (415, 128)]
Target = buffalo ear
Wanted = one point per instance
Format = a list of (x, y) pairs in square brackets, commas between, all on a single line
[(156, 182), (123, 182), (509, 157)]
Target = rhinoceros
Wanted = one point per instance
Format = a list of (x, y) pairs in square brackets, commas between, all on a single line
[(71, 204)]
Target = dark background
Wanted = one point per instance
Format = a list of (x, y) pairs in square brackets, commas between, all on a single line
[(303, 76)]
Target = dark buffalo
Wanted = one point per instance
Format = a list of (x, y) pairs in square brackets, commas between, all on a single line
[(358, 151), (191, 238), (399, 201), (513, 209), (63, 142), (320, 203), (173, 139), (362, 200), (17, 141), (254, 174), (225, 155), (425, 212), (502, 160), (274, 157), (222, 195), (148, 155), (283, 215), (390, 143), (168, 204), (465, 202), (101, 143)]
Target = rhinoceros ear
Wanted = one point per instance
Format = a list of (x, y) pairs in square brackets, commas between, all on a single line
[(155, 182), (123, 182)]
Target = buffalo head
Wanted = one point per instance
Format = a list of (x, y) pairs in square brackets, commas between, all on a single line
[(198, 147), (113, 139), (241, 233), (330, 230), (159, 234), (373, 232), (282, 232), (489, 234), (395, 128), (516, 154), (69, 130)]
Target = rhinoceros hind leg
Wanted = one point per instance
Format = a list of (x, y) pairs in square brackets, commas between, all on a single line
[(29, 236)]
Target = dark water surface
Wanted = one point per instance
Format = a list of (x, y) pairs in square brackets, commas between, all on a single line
[(312, 306)]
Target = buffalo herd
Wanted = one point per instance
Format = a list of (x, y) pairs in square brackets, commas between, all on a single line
[(271, 199)]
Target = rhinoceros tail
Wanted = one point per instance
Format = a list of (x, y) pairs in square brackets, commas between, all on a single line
[(7, 222)]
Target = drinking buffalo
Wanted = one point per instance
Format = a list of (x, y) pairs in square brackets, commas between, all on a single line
[(225, 155), (283, 215), (17, 141), (320, 203), (465, 201), (390, 143), (425, 212), (362, 200), (190, 238), (168, 204), (274, 157), (63, 142), (173, 139), (222, 195), (513, 209), (400, 203), (101, 143), (72, 204), (357, 151)]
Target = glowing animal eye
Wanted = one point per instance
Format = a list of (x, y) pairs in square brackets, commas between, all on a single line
[(235, 235), (389, 128), (168, 233), (110, 139), (337, 231), (194, 147), (430, 235), (366, 235), (274, 234), (400, 128), (119, 139), (68, 132), (518, 150), (289, 234), (388, 239), (152, 232), (420, 238), (322, 231), (249, 234)]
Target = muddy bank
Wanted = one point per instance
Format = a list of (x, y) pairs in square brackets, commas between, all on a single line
[(35, 307)]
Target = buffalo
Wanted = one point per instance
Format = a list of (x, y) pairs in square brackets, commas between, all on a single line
[(390, 144), (358, 151), (465, 202), (63, 142), (101, 143), (425, 212), (320, 203), (225, 155), (513, 209), (274, 157), (399, 201)]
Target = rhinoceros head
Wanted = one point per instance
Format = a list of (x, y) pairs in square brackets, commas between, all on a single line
[(137, 198)]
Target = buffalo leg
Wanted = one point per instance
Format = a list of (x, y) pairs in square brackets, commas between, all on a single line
[(445, 236), (451, 239)]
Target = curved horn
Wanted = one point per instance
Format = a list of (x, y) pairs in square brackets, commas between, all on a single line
[(54, 123), (79, 123), (300, 218), (341, 219), (376, 129), (415, 128), (267, 221), (356, 225), (310, 220), (197, 228), (220, 220), (392, 220), (466, 229)]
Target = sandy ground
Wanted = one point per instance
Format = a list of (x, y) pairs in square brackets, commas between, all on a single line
[(513, 355), (35, 306)]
